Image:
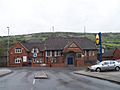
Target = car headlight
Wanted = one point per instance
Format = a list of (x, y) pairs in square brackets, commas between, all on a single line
[(92, 67)]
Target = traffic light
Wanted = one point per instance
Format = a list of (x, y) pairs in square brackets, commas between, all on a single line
[(97, 39)]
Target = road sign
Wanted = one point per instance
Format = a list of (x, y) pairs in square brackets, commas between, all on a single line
[(34, 55), (97, 39)]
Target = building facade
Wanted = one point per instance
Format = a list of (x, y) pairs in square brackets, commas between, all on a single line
[(112, 54), (54, 52)]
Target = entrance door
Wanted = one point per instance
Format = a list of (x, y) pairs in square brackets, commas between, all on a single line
[(29, 62), (70, 60)]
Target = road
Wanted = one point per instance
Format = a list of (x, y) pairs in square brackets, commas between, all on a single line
[(58, 79)]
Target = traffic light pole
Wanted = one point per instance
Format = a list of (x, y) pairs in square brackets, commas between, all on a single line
[(100, 35)]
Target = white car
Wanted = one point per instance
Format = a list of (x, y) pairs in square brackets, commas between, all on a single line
[(105, 65)]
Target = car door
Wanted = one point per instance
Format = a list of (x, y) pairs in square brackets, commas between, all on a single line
[(112, 65), (105, 66)]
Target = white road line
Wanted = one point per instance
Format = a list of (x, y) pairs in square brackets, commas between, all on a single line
[(33, 81)]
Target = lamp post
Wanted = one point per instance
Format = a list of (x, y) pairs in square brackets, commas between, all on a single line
[(8, 49)]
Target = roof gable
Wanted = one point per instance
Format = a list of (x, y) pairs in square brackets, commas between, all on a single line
[(73, 45), (18, 44)]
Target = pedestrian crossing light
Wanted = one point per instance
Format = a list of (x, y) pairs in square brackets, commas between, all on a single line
[(97, 39)]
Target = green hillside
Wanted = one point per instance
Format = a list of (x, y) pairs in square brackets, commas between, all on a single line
[(110, 40)]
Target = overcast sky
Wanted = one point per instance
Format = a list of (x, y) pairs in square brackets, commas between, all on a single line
[(34, 16)]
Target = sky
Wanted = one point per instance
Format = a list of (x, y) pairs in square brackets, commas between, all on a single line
[(35, 16)]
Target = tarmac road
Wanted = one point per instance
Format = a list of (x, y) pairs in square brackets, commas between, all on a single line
[(58, 79)]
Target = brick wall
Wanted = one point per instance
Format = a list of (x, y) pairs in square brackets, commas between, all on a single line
[(13, 55), (116, 54)]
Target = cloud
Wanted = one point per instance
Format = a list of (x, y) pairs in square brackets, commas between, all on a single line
[(31, 16)]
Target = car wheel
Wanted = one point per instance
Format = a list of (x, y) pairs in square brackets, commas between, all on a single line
[(117, 68), (98, 69)]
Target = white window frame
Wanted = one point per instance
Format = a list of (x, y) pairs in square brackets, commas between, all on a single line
[(37, 50), (90, 52), (57, 53), (17, 60), (18, 50), (85, 53), (93, 53), (49, 55)]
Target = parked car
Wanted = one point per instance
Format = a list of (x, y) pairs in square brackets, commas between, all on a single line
[(105, 65)]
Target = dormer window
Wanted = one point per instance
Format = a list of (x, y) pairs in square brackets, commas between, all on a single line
[(35, 50), (18, 50)]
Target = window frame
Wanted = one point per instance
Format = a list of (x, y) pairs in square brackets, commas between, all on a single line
[(18, 50), (17, 60), (78, 55), (57, 53), (50, 53)]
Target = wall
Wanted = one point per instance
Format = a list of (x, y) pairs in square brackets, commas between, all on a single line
[(13, 55), (116, 54)]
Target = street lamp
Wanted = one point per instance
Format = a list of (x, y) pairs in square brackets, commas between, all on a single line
[(8, 49)]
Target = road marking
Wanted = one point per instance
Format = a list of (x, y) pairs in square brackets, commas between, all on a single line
[(33, 81)]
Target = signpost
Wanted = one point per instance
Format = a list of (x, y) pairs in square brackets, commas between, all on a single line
[(99, 42)]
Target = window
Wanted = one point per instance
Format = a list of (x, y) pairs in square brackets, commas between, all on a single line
[(78, 55), (90, 52), (18, 50), (112, 62), (35, 50), (48, 53), (106, 63), (93, 53), (17, 60), (85, 53), (54, 60), (37, 61), (57, 53), (41, 60)]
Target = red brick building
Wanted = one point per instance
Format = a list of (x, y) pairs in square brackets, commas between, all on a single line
[(112, 54), (54, 52)]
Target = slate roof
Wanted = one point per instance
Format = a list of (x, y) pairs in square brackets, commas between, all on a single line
[(58, 43), (31, 45)]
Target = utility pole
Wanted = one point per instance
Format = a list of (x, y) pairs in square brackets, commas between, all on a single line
[(53, 28), (53, 34), (84, 31), (8, 49)]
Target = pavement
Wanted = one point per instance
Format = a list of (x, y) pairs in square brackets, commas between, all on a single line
[(112, 76), (5, 71)]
